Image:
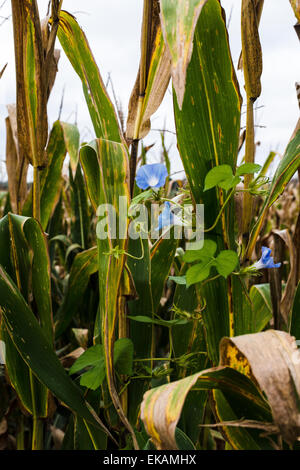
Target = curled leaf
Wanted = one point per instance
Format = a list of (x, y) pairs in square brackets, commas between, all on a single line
[(157, 78), (296, 7), (272, 360), (267, 362), (16, 165), (251, 49), (32, 82), (179, 20)]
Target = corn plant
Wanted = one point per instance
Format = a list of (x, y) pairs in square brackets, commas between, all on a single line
[(118, 329)]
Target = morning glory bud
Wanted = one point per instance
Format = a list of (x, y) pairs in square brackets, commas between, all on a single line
[(266, 261)]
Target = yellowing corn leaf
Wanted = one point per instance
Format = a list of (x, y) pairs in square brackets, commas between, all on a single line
[(285, 171), (77, 49), (144, 102), (268, 360), (179, 19), (296, 7), (106, 169), (290, 288), (259, 8), (251, 49), (272, 360), (162, 406), (16, 166), (31, 82), (53, 58)]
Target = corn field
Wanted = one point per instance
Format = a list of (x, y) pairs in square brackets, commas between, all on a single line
[(138, 311)]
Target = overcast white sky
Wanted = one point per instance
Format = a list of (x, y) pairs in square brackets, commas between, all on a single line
[(113, 31)]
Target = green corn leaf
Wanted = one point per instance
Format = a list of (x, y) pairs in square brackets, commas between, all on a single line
[(16, 367), (189, 345), (183, 441), (41, 276), (140, 333), (36, 351), (79, 203), (208, 124), (162, 257), (141, 272), (239, 437), (30, 254), (262, 311), (256, 308), (86, 437), (28, 250), (187, 338), (285, 171), (76, 47), (112, 160), (84, 265), (51, 178), (123, 356), (167, 323), (72, 142), (90, 165), (18, 372), (295, 324), (60, 142), (267, 164), (111, 188)]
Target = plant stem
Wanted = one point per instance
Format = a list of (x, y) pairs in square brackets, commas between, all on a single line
[(37, 433), (221, 211), (36, 194), (249, 158), (144, 68), (20, 434), (38, 428), (133, 162), (122, 316)]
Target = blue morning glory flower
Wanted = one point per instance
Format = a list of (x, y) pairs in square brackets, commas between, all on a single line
[(266, 261), (167, 218), (153, 176)]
